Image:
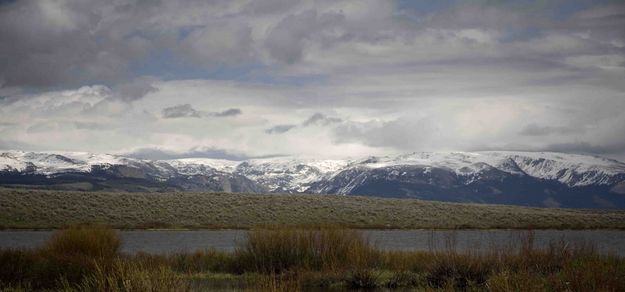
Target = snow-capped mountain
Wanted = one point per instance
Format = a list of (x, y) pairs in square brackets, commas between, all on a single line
[(114, 172), (525, 178)]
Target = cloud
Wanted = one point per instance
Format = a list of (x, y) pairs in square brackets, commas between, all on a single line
[(10, 145), (279, 129), (90, 126), (320, 119), (587, 147), (222, 42), (357, 77), (227, 113), (401, 133), (317, 119), (92, 119), (536, 130), (287, 40), (180, 111), (60, 43), (161, 154), (72, 43), (187, 111), (135, 90)]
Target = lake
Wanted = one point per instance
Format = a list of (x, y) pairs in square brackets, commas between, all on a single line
[(170, 241)]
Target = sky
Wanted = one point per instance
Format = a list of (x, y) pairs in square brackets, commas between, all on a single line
[(237, 79)]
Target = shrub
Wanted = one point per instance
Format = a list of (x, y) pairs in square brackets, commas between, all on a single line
[(591, 273), (404, 279), (506, 280), (74, 253), (415, 261), (363, 279), (323, 280), (204, 261), (285, 282), (461, 271), (16, 266)]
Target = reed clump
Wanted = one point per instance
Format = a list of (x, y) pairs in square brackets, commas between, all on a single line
[(97, 242), (78, 251), (275, 250), (81, 258)]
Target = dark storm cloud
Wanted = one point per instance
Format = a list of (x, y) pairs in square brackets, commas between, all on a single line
[(50, 43), (70, 43), (279, 129), (187, 111)]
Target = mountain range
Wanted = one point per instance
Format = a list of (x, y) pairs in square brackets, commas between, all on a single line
[(542, 179)]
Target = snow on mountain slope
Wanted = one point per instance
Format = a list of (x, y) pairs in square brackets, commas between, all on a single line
[(570, 169), (288, 174), (280, 174), (461, 162), (57, 162), (285, 174), (194, 166), (9, 162)]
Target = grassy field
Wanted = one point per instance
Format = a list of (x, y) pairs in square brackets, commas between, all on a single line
[(20, 208), (87, 258)]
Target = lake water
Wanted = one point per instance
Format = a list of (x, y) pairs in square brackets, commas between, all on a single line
[(169, 241)]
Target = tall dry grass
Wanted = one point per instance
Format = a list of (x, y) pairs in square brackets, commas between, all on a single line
[(78, 251), (82, 258), (68, 256), (97, 242), (281, 249), (128, 276)]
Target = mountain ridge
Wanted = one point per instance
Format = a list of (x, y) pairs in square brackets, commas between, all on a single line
[(546, 178)]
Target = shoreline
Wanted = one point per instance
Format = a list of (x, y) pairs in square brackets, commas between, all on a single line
[(290, 259), (308, 227)]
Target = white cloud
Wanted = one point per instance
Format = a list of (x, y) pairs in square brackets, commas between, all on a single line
[(58, 121), (469, 76)]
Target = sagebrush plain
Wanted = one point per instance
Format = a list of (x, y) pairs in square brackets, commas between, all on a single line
[(40, 209)]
